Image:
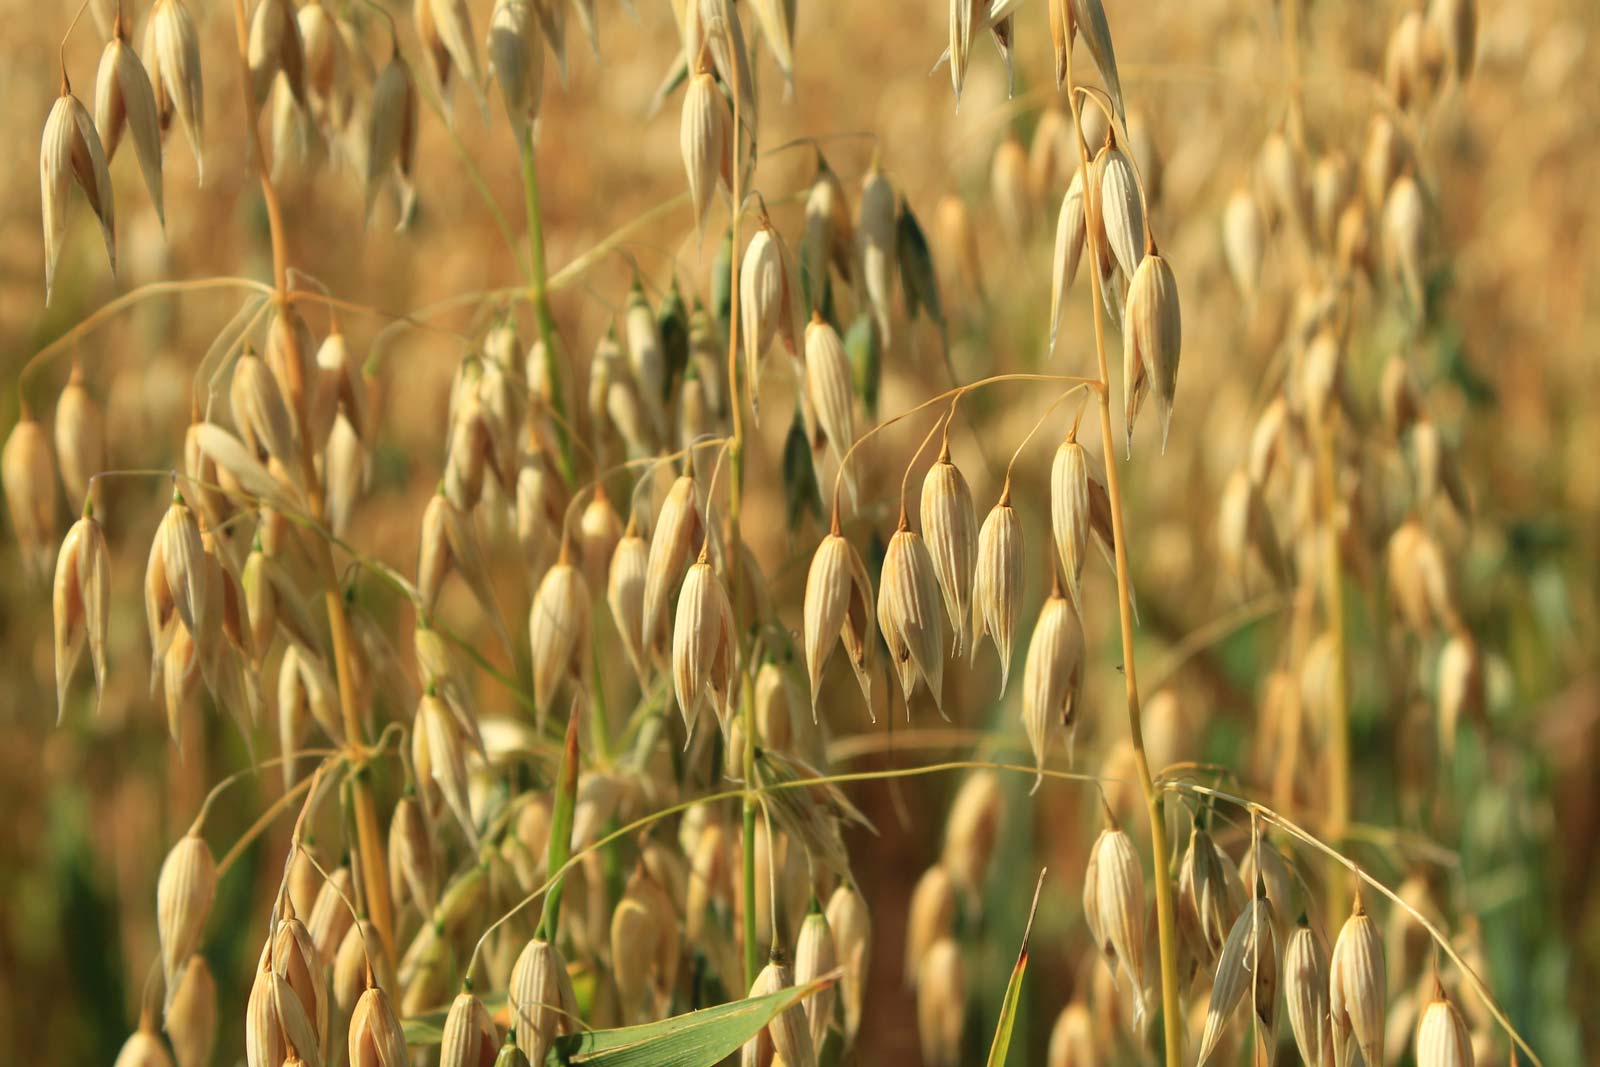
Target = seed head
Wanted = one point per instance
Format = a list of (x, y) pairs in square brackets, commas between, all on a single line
[(81, 606), (705, 136), (1461, 687), (392, 133), (998, 586), (951, 527), (516, 58), (1442, 1036), (29, 473), (1071, 232), (172, 56), (1121, 206), (191, 1014), (376, 1039), (1152, 337), (1248, 963), (1008, 184), (124, 99), (143, 1049), (413, 863), (80, 438), (971, 831), (851, 925), (1071, 512), (1305, 985), (908, 615), (184, 893), (71, 152), (680, 530), (816, 955), (1052, 678), (838, 607), (471, 1038), (788, 1035), (875, 238), (1358, 990), (543, 1005), (440, 758), (703, 647), (941, 1003), (625, 586), (930, 918), (1207, 904), (828, 384), (769, 296), (1072, 1038), (1114, 908)]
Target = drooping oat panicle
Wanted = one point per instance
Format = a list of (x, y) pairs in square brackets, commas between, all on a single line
[(941, 1003), (1153, 334), (838, 606), (1358, 1002), (998, 583), (392, 125), (1443, 1039), (1114, 895), (274, 46), (124, 99), (542, 1002), (516, 58), (909, 615), (851, 926), (1052, 678), (703, 647), (558, 631), (471, 1038), (172, 57), (81, 606), (929, 918), (190, 1018), (706, 140), (625, 586), (828, 383), (1071, 232), (375, 1038), (80, 438), (680, 529), (875, 238), (1305, 986), (184, 892), (1247, 966), (950, 526), (29, 473), (71, 153)]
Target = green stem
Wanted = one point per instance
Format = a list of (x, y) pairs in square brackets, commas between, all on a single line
[(538, 293)]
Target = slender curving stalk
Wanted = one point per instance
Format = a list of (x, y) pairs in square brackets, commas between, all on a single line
[(1166, 912), (539, 294)]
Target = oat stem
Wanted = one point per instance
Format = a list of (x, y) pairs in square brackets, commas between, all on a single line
[(539, 295), (1172, 1017)]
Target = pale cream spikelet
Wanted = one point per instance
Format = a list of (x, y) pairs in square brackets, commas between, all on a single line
[(172, 57), (259, 412), (1405, 238), (930, 917), (452, 25), (1243, 241), (80, 438), (325, 61), (375, 1037), (645, 947), (1052, 678), (1071, 511), (705, 138), (1072, 1038), (450, 542), (679, 530), (516, 58), (439, 669), (851, 925), (646, 358), (599, 533), (1153, 335), (1461, 687), (941, 1003), (1419, 579), (1281, 177), (1008, 185), (909, 615), (81, 606), (439, 758), (838, 607), (998, 582), (190, 1018), (1322, 378), (1088, 18), (875, 239), (413, 860), (1358, 990), (471, 1038), (830, 234), (1443, 1039), (1071, 233), (143, 1049), (971, 831), (1305, 985), (625, 585), (1268, 440), (69, 153), (829, 385), (958, 243), (815, 956), (1207, 904), (331, 917), (542, 1002), (175, 579), (342, 388), (704, 653), (1121, 205), (558, 628), (1333, 184), (774, 708), (184, 891), (1384, 157), (1118, 905), (274, 46), (769, 294), (124, 100), (1245, 534), (540, 506), (304, 682), (29, 473), (962, 17), (392, 125), (1247, 967), (1455, 24), (788, 1035), (950, 529), (1051, 153)]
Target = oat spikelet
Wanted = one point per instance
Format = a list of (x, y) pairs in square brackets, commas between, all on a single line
[(909, 615), (680, 530), (471, 1038), (828, 383), (392, 126), (1071, 232), (1153, 336), (1405, 238), (1243, 241), (80, 437), (1114, 895), (703, 647), (788, 1035), (542, 1002), (439, 758), (816, 955), (1071, 511), (1121, 205), (1052, 678), (1442, 1036), (124, 99), (71, 153), (625, 585), (929, 918), (851, 925), (558, 631), (1461, 687), (941, 1004), (190, 1018), (184, 892), (259, 411), (81, 602), (172, 56), (516, 58), (769, 291), (376, 1039), (143, 1049), (1305, 984), (1088, 17), (274, 46), (1358, 990), (971, 831), (875, 239), (950, 525), (706, 139), (838, 606), (29, 473), (998, 585), (1248, 965), (1072, 1038)]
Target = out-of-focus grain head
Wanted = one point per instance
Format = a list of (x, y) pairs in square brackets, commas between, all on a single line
[(815, 955), (71, 153), (1405, 233), (851, 925), (80, 437), (1358, 990), (392, 126), (516, 59), (625, 586), (1455, 23), (1008, 185), (941, 1003), (971, 831), (190, 1019), (930, 917), (1072, 1038), (875, 240), (680, 529), (1461, 687), (1243, 241), (143, 1049), (957, 239), (172, 57), (909, 615), (1245, 535)]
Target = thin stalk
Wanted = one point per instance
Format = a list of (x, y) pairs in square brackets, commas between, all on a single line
[(539, 295), (1166, 914), (1338, 818)]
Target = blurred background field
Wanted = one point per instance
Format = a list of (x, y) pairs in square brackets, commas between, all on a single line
[(1510, 370)]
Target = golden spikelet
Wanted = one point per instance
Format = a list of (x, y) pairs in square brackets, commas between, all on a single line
[(1072, 1038), (124, 100), (274, 46), (1243, 241), (71, 153), (1153, 336), (788, 1035), (679, 530), (815, 956), (838, 606), (851, 925), (516, 58), (172, 56), (1071, 512), (828, 384), (625, 586), (1114, 897), (542, 1003), (471, 1038), (1071, 233), (704, 648), (941, 1003), (29, 473), (1442, 1036), (998, 582), (1121, 205), (1305, 985), (929, 918), (1358, 990), (971, 831), (191, 1014), (950, 527), (375, 1038), (184, 892), (909, 615), (1248, 965), (80, 439), (875, 239), (81, 606), (1052, 678), (705, 137)]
